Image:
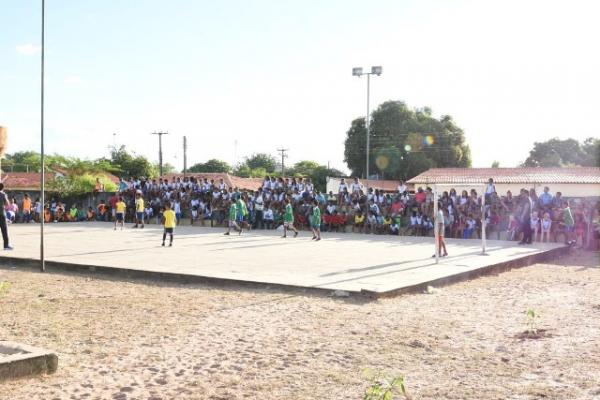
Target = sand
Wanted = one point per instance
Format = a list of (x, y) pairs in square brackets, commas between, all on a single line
[(145, 340)]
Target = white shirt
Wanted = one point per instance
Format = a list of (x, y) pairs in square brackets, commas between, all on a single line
[(259, 202), (268, 214), (342, 187), (401, 188)]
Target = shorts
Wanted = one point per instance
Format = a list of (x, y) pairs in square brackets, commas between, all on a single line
[(168, 230), (240, 218), (288, 224), (178, 216), (232, 223), (120, 217), (315, 226), (139, 216), (569, 229), (441, 230)]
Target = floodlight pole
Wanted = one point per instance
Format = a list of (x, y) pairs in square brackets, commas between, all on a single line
[(42, 160), (436, 225), (358, 72), (483, 224)]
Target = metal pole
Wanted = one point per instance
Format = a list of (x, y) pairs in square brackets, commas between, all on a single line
[(367, 122), (435, 229), (184, 156), (160, 153), (42, 160), (483, 224)]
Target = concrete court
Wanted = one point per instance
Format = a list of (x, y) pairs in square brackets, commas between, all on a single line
[(373, 264)]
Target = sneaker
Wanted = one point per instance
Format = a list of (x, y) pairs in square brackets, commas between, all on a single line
[(226, 234), (8, 248), (163, 244), (170, 244), (313, 238), (318, 239), (296, 234), (445, 255), (283, 237)]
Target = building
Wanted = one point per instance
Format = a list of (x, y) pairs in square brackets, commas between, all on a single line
[(571, 181)]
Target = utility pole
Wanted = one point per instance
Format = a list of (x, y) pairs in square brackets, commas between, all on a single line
[(184, 156), (283, 156), (160, 163)]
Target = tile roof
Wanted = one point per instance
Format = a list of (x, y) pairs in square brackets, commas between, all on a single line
[(509, 175), (24, 180)]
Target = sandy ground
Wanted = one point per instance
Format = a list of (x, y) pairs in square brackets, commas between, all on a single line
[(146, 340)]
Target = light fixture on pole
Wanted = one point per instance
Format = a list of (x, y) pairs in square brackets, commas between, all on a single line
[(358, 71)]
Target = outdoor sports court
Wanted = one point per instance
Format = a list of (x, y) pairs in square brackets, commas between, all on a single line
[(375, 265)]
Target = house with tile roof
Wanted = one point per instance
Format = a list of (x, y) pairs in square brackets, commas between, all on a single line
[(571, 181)]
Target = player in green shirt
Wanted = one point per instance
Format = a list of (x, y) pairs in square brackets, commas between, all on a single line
[(233, 213), (288, 219), (315, 222)]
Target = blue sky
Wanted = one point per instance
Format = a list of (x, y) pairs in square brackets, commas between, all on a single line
[(278, 73)]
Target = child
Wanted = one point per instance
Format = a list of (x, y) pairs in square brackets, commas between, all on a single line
[(395, 227), (288, 219), (169, 221), (535, 223), (546, 227), (91, 215), (513, 227), (441, 230), (470, 227), (371, 223), (232, 219), (359, 222), (316, 221), (139, 210), (120, 208), (268, 218)]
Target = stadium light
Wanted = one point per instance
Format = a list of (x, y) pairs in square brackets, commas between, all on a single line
[(42, 160), (358, 71)]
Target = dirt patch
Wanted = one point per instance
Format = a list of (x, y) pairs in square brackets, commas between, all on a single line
[(143, 340), (534, 335)]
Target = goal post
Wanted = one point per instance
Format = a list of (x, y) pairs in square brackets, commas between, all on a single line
[(438, 189)]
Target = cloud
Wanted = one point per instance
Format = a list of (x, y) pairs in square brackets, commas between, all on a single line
[(28, 49), (73, 80)]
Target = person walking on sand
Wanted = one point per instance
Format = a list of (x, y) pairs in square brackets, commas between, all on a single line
[(3, 227)]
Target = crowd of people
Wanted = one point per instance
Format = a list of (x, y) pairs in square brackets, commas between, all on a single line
[(526, 216)]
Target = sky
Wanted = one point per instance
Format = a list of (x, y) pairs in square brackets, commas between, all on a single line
[(241, 76)]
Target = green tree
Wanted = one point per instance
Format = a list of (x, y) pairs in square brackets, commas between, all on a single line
[(560, 153), (212, 165), (129, 165), (405, 142), (261, 160), (496, 164)]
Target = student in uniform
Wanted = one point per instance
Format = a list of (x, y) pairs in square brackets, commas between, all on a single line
[(169, 221), (139, 210), (288, 219), (315, 222), (232, 219), (120, 208)]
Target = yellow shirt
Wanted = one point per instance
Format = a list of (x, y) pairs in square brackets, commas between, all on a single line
[(169, 216), (139, 205), (120, 206), (358, 219)]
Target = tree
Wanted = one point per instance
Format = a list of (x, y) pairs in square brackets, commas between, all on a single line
[(560, 153), (261, 160), (496, 164), (128, 165), (405, 142), (317, 173), (168, 168), (212, 165)]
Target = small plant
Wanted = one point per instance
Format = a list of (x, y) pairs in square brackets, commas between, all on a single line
[(384, 387), (4, 288), (531, 325)]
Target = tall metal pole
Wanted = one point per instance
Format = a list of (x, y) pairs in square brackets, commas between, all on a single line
[(282, 151), (436, 227), (367, 120), (184, 156), (42, 160)]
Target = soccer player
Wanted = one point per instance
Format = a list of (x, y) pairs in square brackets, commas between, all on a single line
[(315, 222), (232, 219), (169, 221), (242, 214), (120, 207), (288, 219), (139, 210)]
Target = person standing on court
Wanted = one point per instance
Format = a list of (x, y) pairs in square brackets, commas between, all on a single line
[(3, 227), (525, 217)]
